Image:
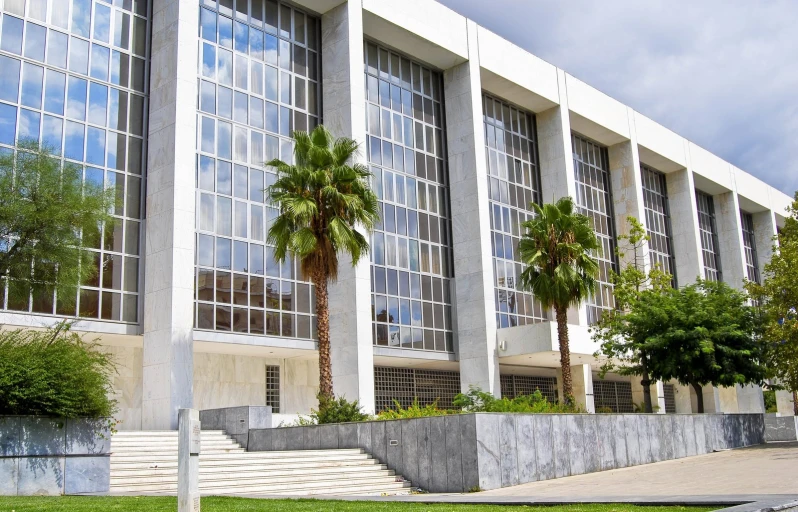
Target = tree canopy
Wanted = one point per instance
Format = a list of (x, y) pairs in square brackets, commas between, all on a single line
[(703, 333), (777, 299), (622, 341), (47, 216)]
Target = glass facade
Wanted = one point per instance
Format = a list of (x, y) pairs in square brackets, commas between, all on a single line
[(74, 79), (411, 247), (258, 80), (708, 230), (749, 246), (513, 183), (594, 199), (658, 221)]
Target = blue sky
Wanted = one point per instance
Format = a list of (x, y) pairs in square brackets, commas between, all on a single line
[(722, 73)]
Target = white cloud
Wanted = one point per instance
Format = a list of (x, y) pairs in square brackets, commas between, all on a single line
[(720, 72)]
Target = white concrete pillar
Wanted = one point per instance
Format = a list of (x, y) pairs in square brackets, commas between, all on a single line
[(169, 271), (684, 224), (683, 398), (730, 239), (344, 103), (555, 154), (657, 390), (764, 231), (471, 236), (627, 191), (727, 400), (750, 399), (785, 405), (582, 381)]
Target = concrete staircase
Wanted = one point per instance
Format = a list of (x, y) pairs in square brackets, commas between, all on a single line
[(146, 463)]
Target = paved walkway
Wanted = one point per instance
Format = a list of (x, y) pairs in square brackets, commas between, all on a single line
[(764, 469)]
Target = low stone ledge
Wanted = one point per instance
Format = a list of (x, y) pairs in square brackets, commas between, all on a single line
[(53, 456), (237, 421), (462, 452)]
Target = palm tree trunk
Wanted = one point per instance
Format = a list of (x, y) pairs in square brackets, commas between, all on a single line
[(699, 397), (565, 354), (323, 319)]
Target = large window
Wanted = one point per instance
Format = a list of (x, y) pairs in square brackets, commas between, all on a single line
[(658, 221), (594, 199), (74, 78), (411, 247), (513, 183), (518, 385), (749, 246), (258, 80), (709, 236)]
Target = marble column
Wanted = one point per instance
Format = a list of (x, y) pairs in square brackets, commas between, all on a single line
[(169, 249), (764, 231), (582, 382), (657, 390), (344, 101), (730, 239), (556, 160), (627, 194), (684, 224), (785, 405), (468, 187)]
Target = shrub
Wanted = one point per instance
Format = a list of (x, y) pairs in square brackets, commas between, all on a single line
[(337, 410), (54, 373), (413, 411), (604, 410), (477, 400), (770, 400)]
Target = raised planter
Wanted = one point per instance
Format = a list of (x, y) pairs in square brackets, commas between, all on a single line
[(51, 456), (464, 452), (780, 428), (237, 421)]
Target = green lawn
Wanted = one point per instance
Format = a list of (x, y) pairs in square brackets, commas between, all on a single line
[(214, 504)]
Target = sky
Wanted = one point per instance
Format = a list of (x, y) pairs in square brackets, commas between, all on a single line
[(722, 73)]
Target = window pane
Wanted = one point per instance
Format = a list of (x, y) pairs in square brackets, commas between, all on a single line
[(55, 83), (52, 131), (79, 56), (122, 30), (29, 124), (102, 23), (81, 17), (32, 79), (57, 49), (9, 79), (98, 103), (8, 124), (12, 35), (76, 99), (99, 62), (34, 42), (73, 143)]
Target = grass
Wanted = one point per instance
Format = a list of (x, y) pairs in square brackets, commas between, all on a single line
[(217, 504)]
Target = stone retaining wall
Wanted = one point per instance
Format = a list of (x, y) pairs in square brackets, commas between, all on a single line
[(50, 456), (237, 421), (463, 452), (780, 428)]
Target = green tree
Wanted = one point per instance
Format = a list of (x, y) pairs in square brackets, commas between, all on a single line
[(704, 333), (323, 199), (560, 272), (47, 216), (622, 342), (777, 298)]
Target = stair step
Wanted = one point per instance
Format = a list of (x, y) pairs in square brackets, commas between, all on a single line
[(274, 485), (146, 462)]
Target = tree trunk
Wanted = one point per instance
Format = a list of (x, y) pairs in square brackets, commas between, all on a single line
[(565, 354), (323, 320), (699, 397), (646, 383), (795, 402)]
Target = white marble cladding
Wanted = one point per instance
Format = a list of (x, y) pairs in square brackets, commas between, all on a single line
[(344, 104), (220, 380), (169, 245), (471, 236)]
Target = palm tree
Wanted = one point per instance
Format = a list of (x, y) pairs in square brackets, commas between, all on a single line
[(323, 198), (560, 272)]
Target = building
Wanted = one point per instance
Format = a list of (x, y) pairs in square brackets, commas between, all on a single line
[(177, 103)]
